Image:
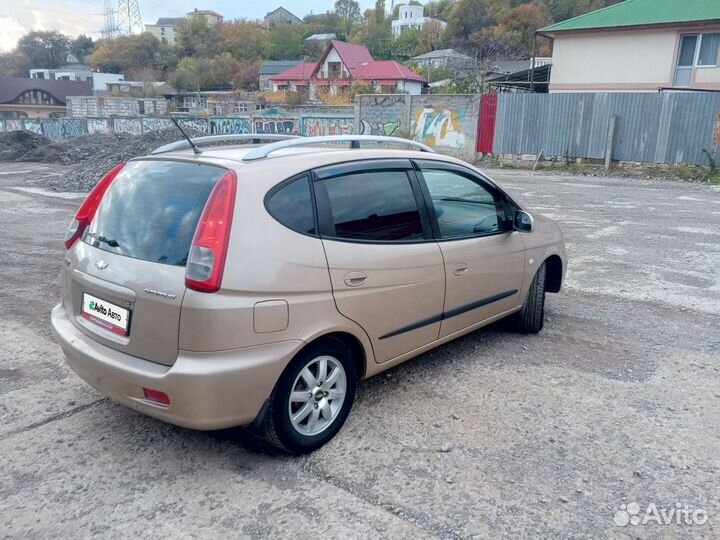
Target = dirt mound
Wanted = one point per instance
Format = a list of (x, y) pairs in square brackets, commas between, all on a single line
[(26, 146), (94, 155)]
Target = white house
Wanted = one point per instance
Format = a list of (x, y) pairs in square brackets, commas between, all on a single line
[(164, 29), (638, 46), (411, 16), (78, 72)]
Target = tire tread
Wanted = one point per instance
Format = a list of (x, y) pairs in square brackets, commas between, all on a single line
[(532, 315)]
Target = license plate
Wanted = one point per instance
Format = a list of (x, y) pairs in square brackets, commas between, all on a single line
[(106, 314)]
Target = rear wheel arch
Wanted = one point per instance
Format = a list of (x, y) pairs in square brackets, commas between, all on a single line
[(554, 273), (352, 343), (276, 422)]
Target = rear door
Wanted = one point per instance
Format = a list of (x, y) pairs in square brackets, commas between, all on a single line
[(484, 258), (125, 278), (386, 270)]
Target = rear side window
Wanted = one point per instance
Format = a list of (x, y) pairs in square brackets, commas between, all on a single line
[(376, 206), (151, 210), (292, 206)]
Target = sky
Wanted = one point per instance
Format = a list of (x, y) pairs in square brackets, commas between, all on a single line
[(74, 17)]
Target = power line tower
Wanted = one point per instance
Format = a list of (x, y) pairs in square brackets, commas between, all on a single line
[(129, 18), (110, 26)]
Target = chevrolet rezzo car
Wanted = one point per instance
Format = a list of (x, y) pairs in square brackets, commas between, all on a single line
[(256, 284)]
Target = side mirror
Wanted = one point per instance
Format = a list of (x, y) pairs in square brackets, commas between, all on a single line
[(523, 221)]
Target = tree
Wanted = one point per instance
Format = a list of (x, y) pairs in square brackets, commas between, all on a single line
[(224, 70), (81, 47), (247, 76), (375, 32), (14, 64), (44, 49), (489, 45), (379, 12), (431, 37), (521, 23), (195, 37), (246, 41), (406, 45), (191, 74), (132, 55), (349, 12), (286, 41), (467, 16), (439, 9)]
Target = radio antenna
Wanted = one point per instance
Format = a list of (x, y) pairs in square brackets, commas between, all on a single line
[(196, 150)]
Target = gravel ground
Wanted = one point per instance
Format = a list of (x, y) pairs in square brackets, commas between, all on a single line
[(496, 435)]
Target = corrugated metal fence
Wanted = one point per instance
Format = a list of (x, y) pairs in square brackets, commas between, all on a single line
[(671, 127)]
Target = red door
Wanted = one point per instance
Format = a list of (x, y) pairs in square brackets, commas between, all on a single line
[(486, 123)]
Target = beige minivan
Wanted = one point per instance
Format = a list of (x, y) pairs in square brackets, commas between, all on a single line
[(256, 284)]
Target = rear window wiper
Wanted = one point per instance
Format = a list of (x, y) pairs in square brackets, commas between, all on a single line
[(101, 239)]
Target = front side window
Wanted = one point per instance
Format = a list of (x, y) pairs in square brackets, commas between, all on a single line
[(374, 206), (463, 207)]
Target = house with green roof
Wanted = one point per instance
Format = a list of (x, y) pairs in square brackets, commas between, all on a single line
[(638, 46)]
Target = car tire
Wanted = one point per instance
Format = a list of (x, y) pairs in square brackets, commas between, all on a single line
[(305, 412), (531, 317)]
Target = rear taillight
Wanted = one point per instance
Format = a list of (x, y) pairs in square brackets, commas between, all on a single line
[(87, 209), (206, 260)]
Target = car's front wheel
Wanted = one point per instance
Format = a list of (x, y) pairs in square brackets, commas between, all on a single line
[(532, 315), (313, 397)]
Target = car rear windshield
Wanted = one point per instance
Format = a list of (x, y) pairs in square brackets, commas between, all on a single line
[(151, 210)]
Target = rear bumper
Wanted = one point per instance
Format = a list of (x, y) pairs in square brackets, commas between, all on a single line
[(207, 390)]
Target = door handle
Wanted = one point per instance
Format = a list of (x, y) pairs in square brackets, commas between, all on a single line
[(355, 279), (460, 269)]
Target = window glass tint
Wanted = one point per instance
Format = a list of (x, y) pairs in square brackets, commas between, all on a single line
[(291, 205), (462, 206), (709, 50), (151, 210), (377, 205)]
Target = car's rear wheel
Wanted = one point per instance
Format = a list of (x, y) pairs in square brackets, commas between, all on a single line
[(532, 315), (313, 398)]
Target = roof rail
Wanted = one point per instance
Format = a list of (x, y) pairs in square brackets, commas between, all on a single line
[(211, 139), (261, 152)]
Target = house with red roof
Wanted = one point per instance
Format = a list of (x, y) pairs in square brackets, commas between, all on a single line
[(344, 64)]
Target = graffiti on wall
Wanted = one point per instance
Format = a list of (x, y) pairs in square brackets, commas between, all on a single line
[(32, 125), (133, 126), (13, 124), (439, 127), (380, 128), (319, 126), (197, 124), (229, 126), (279, 126), (156, 124), (98, 125), (63, 128)]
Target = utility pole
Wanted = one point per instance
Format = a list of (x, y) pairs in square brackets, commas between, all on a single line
[(110, 27), (532, 66), (129, 18)]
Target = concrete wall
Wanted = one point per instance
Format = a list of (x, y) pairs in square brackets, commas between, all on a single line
[(299, 120), (447, 123), (84, 106)]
